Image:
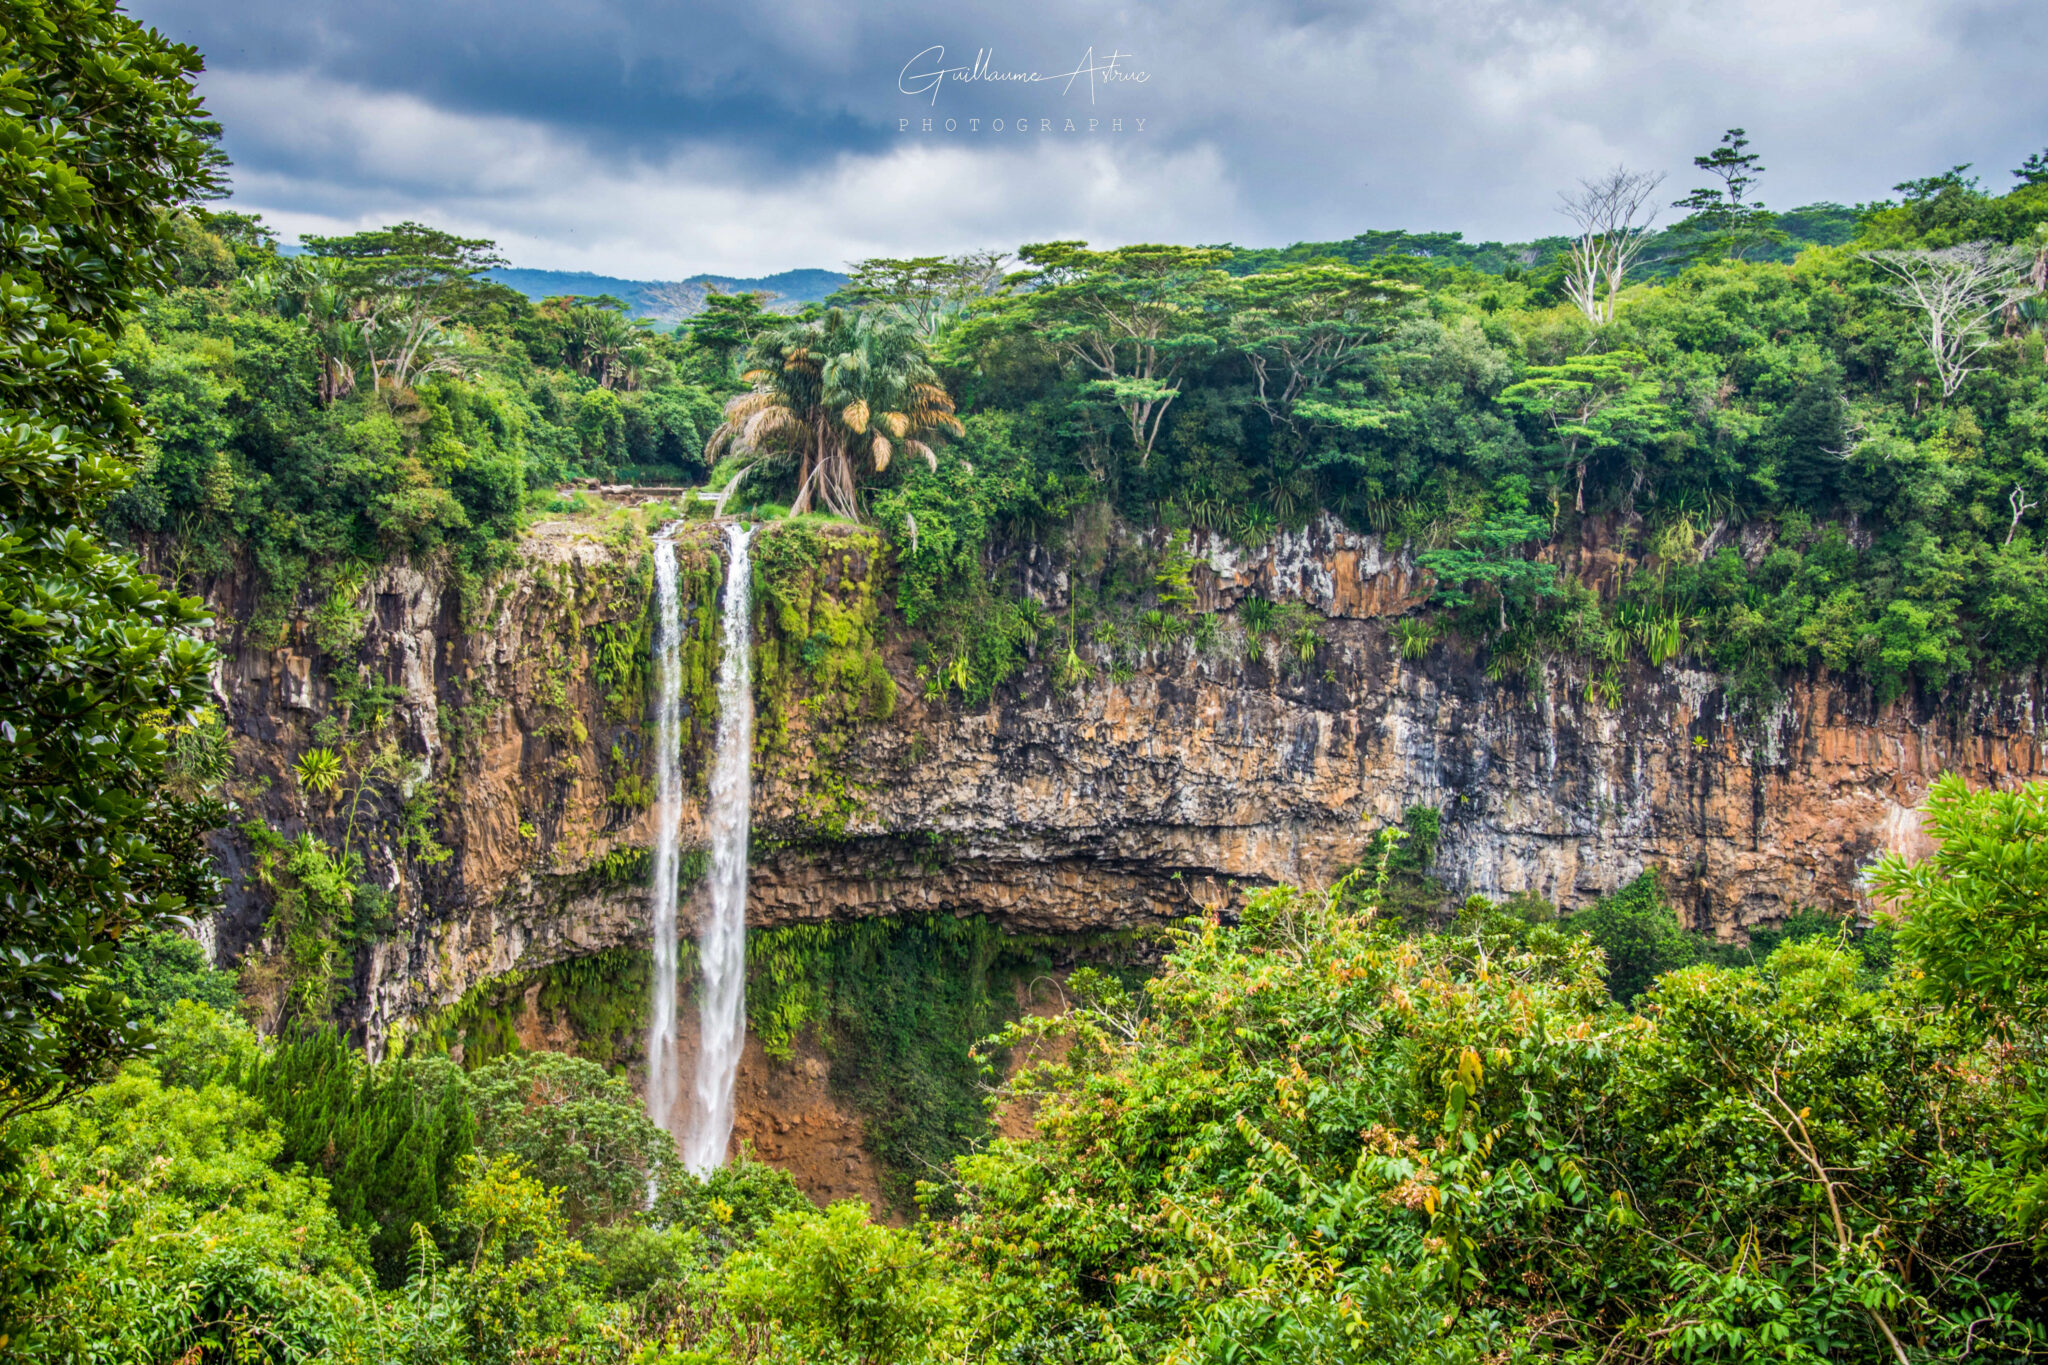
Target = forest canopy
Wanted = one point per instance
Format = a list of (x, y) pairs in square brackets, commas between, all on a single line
[(1766, 442), (1325, 1129)]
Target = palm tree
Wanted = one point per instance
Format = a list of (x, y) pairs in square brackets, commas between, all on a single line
[(841, 393), (611, 346), (332, 316)]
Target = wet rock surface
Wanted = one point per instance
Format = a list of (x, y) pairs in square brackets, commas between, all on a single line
[(1113, 803)]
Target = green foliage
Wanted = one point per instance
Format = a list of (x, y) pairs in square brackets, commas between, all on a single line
[(319, 914), (1972, 909), (1715, 445), (482, 1023), (220, 1205), (1639, 934), (1131, 320), (819, 670), (840, 396), (728, 1208), (1488, 564), (620, 654), (1876, 945), (153, 1226), (1312, 1135), (156, 968), (1317, 1139), (602, 997), (899, 1006), (579, 1130), (510, 1283), (101, 138), (940, 523), (1727, 219), (389, 1139), (847, 1291), (1971, 921), (1398, 860)]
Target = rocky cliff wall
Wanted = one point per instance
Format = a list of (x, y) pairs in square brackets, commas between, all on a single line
[(508, 827)]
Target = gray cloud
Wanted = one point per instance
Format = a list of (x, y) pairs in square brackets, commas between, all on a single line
[(665, 138)]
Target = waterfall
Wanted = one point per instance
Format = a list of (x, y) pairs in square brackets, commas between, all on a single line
[(722, 948), (668, 814), (722, 944)]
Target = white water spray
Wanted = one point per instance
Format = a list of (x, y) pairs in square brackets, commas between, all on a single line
[(722, 947), (668, 814)]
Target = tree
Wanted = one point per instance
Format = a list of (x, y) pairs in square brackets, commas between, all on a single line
[(1974, 913), (929, 290), (843, 388), (1725, 219), (2034, 170), (510, 1282), (1639, 934), (157, 968), (101, 136), (311, 292), (1956, 290), (1955, 182), (1128, 321), (410, 281), (1613, 228), (728, 324), (1592, 403), (847, 1289), (1488, 560), (592, 335), (1973, 919), (390, 1139), (576, 1128), (1297, 327)]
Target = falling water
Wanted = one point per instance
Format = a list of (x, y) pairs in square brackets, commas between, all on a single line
[(668, 813), (722, 950), (722, 947)]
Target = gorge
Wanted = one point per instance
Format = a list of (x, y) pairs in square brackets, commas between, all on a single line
[(1393, 801), (1110, 804)]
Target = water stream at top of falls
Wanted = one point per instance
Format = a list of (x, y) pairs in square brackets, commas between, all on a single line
[(722, 942)]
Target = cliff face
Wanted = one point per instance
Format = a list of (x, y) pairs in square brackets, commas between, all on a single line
[(515, 721)]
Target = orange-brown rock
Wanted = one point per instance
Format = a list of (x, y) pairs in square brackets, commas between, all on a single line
[(1107, 804)]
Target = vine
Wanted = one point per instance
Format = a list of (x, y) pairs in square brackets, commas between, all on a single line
[(898, 1005)]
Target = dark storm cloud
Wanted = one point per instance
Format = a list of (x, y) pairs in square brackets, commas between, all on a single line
[(670, 137), (635, 78), (629, 78)]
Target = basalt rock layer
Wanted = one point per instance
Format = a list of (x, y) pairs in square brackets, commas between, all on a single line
[(507, 822)]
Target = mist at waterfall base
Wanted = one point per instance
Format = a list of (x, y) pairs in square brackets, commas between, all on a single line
[(722, 949)]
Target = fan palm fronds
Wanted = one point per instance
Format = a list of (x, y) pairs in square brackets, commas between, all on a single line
[(845, 391)]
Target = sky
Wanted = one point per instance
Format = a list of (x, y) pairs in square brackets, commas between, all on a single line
[(656, 139)]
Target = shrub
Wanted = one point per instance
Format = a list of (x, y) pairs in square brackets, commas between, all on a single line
[(1639, 932)]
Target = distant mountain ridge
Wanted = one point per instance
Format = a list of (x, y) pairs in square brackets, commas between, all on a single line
[(789, 290), (670, 300)]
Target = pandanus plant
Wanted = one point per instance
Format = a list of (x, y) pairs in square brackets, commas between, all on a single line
[(842, 394)]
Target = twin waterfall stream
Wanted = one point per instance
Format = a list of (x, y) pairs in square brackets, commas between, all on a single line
[(722, 946)]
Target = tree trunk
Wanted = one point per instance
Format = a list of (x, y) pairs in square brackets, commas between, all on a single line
[(802, 503)]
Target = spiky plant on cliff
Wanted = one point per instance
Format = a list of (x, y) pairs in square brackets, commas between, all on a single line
[(842, 394)]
